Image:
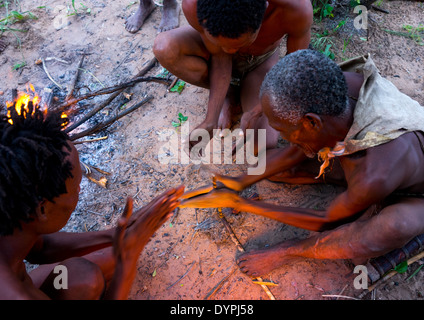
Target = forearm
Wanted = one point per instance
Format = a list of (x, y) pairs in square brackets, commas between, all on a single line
[(219, 79), (62, 245), (304, 218), (122, 281), (277, 160)]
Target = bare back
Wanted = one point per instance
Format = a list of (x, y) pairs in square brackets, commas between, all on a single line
[(396, 166), (282, 17)]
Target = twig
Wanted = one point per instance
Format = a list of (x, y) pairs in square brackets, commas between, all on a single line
[(172, 83), (241, 249), (74, 82), (219, 285), (111, 90), (182, 277), (266, 283), (391, 274), (380, 9), (146, 69), (49, 76), (105, 124), (338, 296), (91, 140)]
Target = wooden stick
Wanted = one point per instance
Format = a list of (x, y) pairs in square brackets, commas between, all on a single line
[(49, 76), (391, 274), (111, 90), (105, 124), (74, 82), (219, 285), (192, 264), (146, 69), (338, 296), (91, 140), (240, 248)]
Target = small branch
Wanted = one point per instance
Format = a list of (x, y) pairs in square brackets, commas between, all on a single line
[(74, 82), (49, 76), (241, 249), (182, 277), (105, 124), (146, 69), (338, 296), (219, 285), (92, 140), (111, 90)]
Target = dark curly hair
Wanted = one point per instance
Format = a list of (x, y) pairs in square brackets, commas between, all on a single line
[(230, 18), (305, 81), (32, 163)]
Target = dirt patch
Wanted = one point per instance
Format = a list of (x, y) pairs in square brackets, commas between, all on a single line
[(187, 258)]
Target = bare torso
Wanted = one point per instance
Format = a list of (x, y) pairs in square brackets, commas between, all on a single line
[(281, 17)]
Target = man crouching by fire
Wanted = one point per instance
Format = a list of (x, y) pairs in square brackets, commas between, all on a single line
[(40, 175)]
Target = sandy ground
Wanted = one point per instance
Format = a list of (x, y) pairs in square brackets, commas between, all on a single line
[(190, 255)]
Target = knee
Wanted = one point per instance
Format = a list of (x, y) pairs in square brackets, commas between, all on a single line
[(165, 49), (85, 279), (401, 228)]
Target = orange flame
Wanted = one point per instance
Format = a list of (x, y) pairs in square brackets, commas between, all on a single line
[(22, 101)]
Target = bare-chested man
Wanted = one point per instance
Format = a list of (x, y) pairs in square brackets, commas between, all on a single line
[(370, 138), (233, 42), (40, 175), (170, 15)]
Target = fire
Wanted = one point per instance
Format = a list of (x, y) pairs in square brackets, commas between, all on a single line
[(27, 103)]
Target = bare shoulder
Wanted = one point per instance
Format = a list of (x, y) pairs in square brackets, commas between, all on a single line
[(189, 8), (297, 15), (295, 9), (398, 164)]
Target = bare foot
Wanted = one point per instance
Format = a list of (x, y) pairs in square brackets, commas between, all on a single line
[(170, 16), (260, 262), (134, 23)]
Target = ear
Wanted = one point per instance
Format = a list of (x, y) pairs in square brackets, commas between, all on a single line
[(312, 121), (40, 212)]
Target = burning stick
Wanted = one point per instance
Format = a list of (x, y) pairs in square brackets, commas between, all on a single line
[(103, 125), (89, 172), (146, 69), (112, 90)]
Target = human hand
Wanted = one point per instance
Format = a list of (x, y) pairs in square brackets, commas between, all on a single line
[(202, 134), (216, 198), (250, 118)]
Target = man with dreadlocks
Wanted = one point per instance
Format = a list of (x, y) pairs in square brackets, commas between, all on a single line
[(40, 175), (370, 137), (233, 42)]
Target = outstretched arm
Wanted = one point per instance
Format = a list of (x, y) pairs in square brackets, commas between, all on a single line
[(59, 246), (345, 206), (277, 161)]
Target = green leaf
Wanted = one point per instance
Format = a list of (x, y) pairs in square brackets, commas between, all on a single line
[(401, 267), (178, 87), (176, 124), (17, 15), (154, 273)]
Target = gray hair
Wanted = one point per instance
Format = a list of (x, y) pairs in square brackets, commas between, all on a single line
[(305, 81)]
